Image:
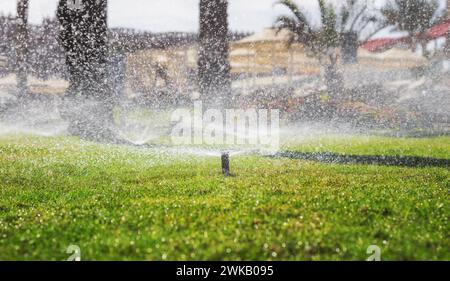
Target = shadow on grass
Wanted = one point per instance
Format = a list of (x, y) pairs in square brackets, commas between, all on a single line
[(327, 157)]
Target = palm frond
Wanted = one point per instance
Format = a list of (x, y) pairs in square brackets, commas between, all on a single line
[(358, 16), (293, 7), (286, 22), (297, 24)]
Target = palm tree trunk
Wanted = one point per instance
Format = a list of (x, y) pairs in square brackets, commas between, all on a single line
[(350, 45), (447, 45), (22, 47), (88, 104), (214, 79), (423, 45), (333, 78)]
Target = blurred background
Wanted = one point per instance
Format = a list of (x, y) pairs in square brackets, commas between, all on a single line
[(384, 73)]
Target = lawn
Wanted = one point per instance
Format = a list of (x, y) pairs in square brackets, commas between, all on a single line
[(437, 147), (120, 203)]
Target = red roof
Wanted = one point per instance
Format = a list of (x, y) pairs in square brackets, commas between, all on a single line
[(439, 30), (382, 44)]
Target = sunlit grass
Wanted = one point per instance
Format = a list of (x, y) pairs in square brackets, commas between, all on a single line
[(133, 204), (437, 147)]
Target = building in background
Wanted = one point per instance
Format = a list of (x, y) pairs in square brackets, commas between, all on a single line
[(154, 72), (263, 59), (268, 53), (3, 65)]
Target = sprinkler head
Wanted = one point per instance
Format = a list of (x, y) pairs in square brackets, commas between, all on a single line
[(226, 164)]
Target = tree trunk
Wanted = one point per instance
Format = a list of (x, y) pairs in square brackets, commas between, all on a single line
[(350, 45), (423, 45), (22, 47), (447, 44), (214, 79), (83, 35), (333, 78)]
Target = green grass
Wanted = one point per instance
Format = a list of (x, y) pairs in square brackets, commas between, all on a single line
[(437, 147), (120, 203)]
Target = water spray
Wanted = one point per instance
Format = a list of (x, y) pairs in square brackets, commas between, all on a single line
[(225, 164)]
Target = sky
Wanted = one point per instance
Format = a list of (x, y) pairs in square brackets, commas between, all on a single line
[(174, 15), (165, 15)]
